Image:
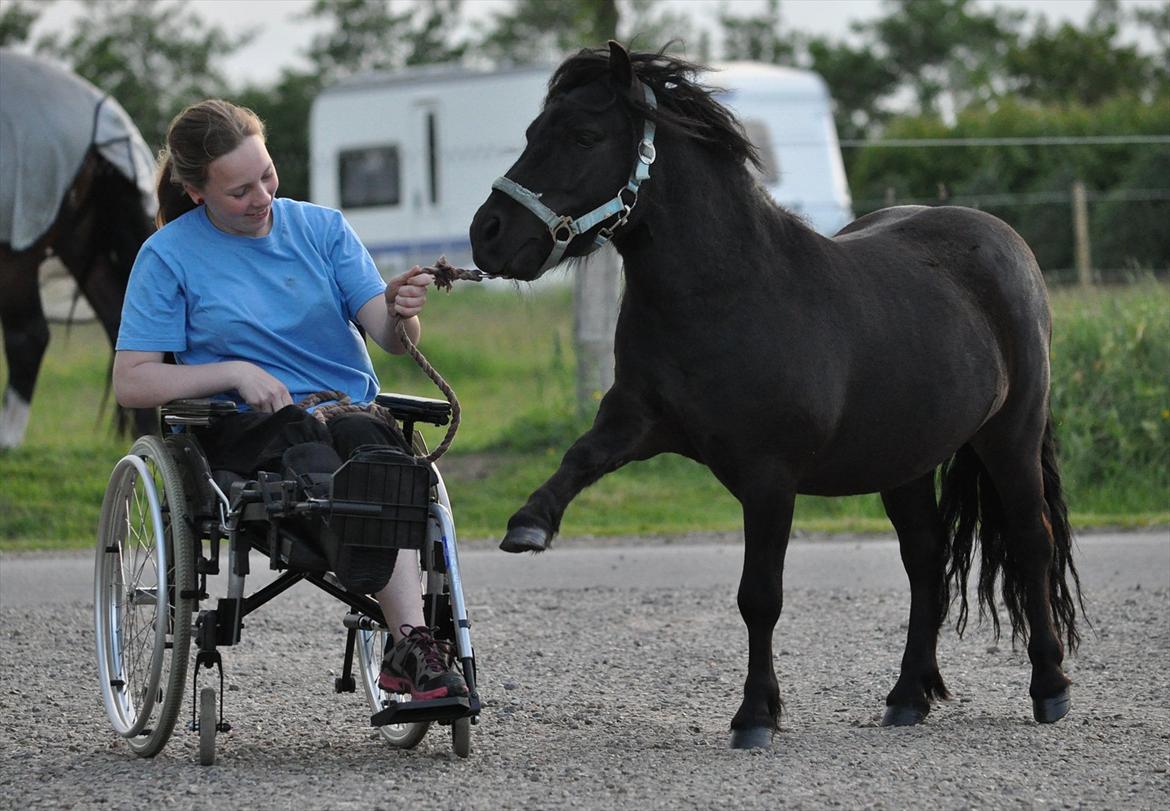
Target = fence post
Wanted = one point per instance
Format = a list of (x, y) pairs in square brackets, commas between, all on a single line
[(1080, 212), (596, 292)]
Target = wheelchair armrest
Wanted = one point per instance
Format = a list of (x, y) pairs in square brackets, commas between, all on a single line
[(202, 411), (406, 407)]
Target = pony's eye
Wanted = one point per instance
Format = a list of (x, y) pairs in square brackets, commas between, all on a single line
[(586, 138)]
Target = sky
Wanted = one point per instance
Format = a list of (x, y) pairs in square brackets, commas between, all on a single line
[(282, 39)]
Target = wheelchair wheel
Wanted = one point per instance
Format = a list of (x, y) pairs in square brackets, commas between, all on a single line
[(144, 582), (461, 737), (370, 646), (207, 726)]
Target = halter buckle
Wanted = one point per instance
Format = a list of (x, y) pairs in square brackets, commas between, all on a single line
[(566, 223), (646, 152)]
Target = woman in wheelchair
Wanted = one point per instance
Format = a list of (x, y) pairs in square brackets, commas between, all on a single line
[(257, 298)]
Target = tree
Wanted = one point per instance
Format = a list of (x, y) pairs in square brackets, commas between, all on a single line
[(373, 35), (16, 21), (858, 81), (430, 41), (944, 49), (757, 37), (366, 36), (1039, 67), (1157, 20), (153, 57), (538, 31), (945, 52), (645, 25)]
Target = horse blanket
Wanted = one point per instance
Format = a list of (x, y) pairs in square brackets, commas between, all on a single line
[(49, 119)]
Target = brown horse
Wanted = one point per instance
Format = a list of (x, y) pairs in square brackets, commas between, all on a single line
[(100, 223)]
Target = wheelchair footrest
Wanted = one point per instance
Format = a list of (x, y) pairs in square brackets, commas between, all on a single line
[(412, 712)]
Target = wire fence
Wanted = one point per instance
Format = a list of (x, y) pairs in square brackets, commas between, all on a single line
[(1114, 231)]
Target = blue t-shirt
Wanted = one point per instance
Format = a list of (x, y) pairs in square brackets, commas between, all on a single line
[(285, 301)]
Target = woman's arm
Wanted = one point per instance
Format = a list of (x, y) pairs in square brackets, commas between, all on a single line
[(142, 380), (403, 300)]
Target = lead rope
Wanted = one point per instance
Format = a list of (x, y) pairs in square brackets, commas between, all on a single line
[(444, 387), (445, 275)]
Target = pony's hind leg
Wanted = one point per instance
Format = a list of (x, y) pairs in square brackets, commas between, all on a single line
[(1032, 547), (26, 336), (914, 513), (104, 292), (767, 521)]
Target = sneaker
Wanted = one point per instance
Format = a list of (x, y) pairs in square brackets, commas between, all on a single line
[(422, 666)]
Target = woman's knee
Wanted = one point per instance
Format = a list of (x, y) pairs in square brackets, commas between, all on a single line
[(350, 431)]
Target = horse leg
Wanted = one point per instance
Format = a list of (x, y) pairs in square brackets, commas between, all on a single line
[(26, 336), (1013, 460), (913, 511), (767, 523), (621, 432), (105, 293)]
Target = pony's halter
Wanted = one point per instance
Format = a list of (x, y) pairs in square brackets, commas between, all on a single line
[(564, 228)]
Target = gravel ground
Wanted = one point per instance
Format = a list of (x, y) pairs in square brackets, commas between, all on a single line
[(607, 697)]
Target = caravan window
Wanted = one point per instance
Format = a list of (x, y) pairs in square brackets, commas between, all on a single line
[(369, 177), (757, 133)]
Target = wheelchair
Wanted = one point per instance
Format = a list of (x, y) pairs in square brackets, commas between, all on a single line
[(164, 517)]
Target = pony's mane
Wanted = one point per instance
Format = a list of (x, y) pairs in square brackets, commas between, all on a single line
[(683, 104)]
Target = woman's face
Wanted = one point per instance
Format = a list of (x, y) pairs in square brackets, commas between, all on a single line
[(239, 189)]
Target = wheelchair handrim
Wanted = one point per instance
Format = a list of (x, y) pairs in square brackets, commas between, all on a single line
[(119, 699)]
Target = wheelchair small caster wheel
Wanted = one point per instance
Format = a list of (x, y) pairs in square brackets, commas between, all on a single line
[(461, 736), (208, 726)]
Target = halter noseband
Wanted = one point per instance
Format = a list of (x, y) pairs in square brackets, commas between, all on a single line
[(564, 228)]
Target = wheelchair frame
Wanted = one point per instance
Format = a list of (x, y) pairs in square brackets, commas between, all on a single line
[(163, 510)]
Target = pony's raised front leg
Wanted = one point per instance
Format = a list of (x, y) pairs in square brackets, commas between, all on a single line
[(620, 433), (767, 522), (921, 539)]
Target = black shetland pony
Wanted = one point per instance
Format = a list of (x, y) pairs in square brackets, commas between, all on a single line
[(914, 340), (98, 230)]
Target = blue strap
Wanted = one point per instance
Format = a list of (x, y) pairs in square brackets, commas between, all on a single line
[(528, 199)]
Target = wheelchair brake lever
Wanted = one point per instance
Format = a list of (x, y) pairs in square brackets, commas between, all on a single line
[(225, 504)]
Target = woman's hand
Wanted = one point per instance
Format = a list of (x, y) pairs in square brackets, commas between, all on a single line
[(406, 294), (260, 390)]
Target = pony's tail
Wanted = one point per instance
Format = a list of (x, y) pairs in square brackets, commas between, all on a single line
[(1065, 599), (972, 515)]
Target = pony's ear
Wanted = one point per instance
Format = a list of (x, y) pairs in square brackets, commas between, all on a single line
[(619, 65)]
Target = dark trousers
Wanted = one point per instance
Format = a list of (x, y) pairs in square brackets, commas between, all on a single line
[(250, 441)]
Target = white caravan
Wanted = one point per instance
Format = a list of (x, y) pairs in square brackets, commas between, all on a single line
[(410, 156)]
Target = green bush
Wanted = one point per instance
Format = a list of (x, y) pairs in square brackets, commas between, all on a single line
[(1111, 397)]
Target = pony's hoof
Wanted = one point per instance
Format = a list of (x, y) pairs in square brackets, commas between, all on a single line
[(903, 716), (525, 539), (752, 738), (1050, 710)]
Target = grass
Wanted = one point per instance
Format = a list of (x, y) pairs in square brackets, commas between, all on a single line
[(509, 356)]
